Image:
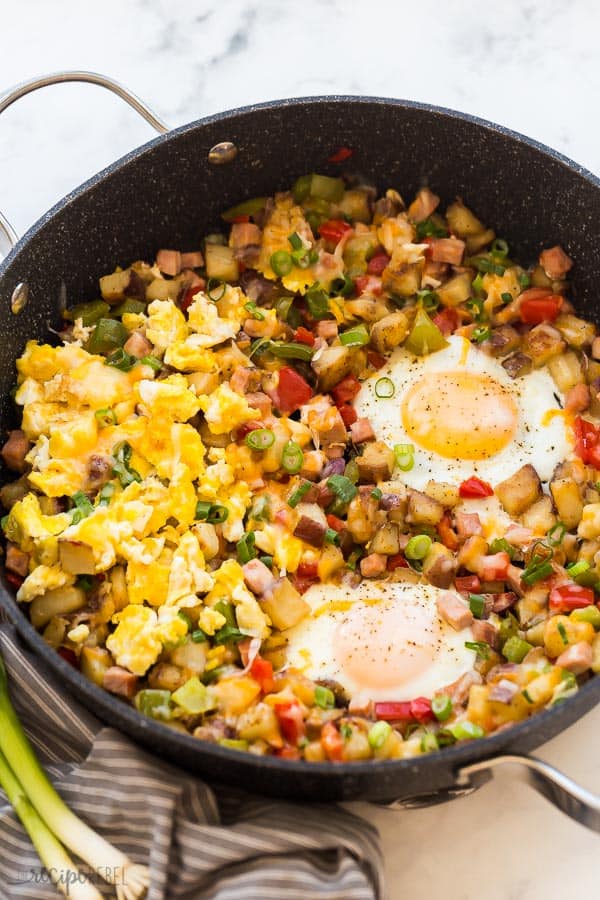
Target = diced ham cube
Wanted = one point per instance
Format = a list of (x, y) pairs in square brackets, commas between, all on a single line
[(259, 400), (138, 345), (494, 566), (458, 691), (244, 379), (503, 691), (372, 565), (327, 329), (577, 658), (169, 261), (362, 431), (504, 601), (15, 450), (513, 578), (258, 576), (447, 250), (578, 398), (454, 610), (120, 681), (468, 524), (192, 260), (555, 262), (16, 560), (485, 631), (518, 535), (244, 233), (424, 204)]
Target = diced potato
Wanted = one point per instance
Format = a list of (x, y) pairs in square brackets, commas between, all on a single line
[(208, 539), (235, 695), (94, 662), (462, 221), (357, 745), (469, 555), (355, 205), (532, 604), (540, 690), (76, 558), (58, 602), (456, 290), (389, 332), (404, 281), (504, 340), (476, 242), (221, 262), (190, 656), (567, 499), (423, 509), (596, 654), (561, 631), (284, 605), (313, 752), (260, 723), (333, 364), (362, 518), (445, 493), (540, 516), (439, 566), (376, 463), (535, 634), (203, 382), (331, 560), (566, 370), (576, 332), (589, 526), (391, 747), (164, 289), (113, 287), (55, 631), (386, 540), (542, 343), (166, 677), (519, 491)]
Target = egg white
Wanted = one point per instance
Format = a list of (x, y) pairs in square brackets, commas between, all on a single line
[(539, 440), (404, 633)]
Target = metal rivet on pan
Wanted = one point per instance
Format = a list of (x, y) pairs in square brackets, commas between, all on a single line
[(222, 153), (19, 298)]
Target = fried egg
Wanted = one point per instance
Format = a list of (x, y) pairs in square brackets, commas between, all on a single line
[(380, 641), (466, 416)]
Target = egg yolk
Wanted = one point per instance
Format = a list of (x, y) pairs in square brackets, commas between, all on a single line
[(460, 415), (383, 645)]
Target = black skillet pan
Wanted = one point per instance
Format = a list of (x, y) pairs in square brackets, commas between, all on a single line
[(172, 190)]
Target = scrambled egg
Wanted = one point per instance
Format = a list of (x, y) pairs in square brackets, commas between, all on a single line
[(229, 585), (140, 635), (166, 324), (204, 319), (286, 219), (41, 580), (225, 410)]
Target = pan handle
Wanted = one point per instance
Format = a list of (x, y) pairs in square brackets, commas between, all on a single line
[(580, 804), (8, 236)]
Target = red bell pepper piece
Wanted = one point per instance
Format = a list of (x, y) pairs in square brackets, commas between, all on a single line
[(239, 220), (292, 391), (332, 743), (376, 359), (394, 711), (447, 320), (348, 414), (287, 753), (447, 534), (291, 723), (587, 442), (468, 584), (378, 263), (335, 523), (262, 671), (565, 597), (14, 579), (398, 561), (368, 284), (69, 656), (474, 487), (539, 305), (421, 710), (304, 336), (247, 427), (188, 297), (333, 230), (341, 155), (346, 389), (308, 570)]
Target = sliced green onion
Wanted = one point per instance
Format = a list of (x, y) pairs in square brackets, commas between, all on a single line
[(404, 455), (441, 706), (106, 494), (290, 351), (121, 360), (89, 313), (218, 514), (589, 614), (345, 731), (538, 569), (199, 636), (524, 280), (227, 611), (296, 241), (202, 509), (19, 766), (578, 568), (245, 547), (261, 508), (324, 697), (229, 634), (260, 345), (475, 307), (429, 228), (281, 262), (292, 458), (556, 534), (317, 302), (477, 605), (466, 730), (377, 493), (215, 289), (246, 208), (563, 632), (83, 507), (516, 649), (233, 743), (297, 495), (351, 471), (121, 468), (477, 285), (384, 388), (343, 286), (378, 734), (355, 337), (253, 310), (260, 439), (429, 742), (506, 297), (429, 300), (105, 417), (501, 545), (331, 536), (301, 258), (481, 648), (267, 561), (353, 560), (499, 247), (418, 547), (153, 361), (481, 333), (342, 487), (185, 618)]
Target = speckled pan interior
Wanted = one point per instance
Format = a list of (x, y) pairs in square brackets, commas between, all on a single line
[(166, 193)]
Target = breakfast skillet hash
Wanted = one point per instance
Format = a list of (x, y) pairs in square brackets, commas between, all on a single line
[(326, 489)]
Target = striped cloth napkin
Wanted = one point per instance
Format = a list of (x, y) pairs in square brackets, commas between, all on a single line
[(218, 844)]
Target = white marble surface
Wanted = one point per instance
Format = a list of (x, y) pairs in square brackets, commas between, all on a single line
[(532, 66)]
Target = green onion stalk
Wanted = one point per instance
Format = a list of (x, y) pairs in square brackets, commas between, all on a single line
[(49, 821)]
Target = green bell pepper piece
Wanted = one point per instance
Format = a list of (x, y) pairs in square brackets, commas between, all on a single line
[(193, 697), (425, 336), (89, 313), (154, 703), (106, 336)]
